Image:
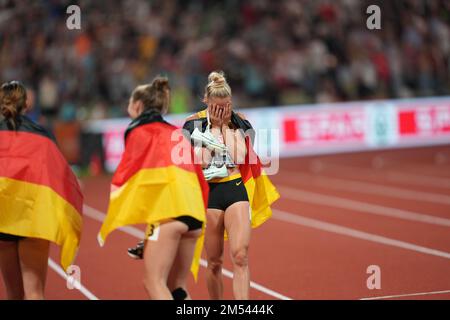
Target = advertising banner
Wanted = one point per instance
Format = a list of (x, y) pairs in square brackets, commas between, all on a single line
[(319, 129)]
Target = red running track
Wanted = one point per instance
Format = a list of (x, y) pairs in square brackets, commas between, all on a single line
[(337, 215)]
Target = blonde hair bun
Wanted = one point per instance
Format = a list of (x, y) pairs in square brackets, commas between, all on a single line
[(217, 86), (217, 77)]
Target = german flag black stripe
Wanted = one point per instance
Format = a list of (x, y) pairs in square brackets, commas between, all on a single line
[(24, 124), (147, 117)]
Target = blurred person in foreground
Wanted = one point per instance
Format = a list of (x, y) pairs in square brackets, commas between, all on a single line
[(40, 199), (151, 186)]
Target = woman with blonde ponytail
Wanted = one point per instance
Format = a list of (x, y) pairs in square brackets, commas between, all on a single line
[(233, 206), (150, 187)]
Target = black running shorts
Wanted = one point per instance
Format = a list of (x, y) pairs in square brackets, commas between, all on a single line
[(192, 223), (224, 194), (10, 237)]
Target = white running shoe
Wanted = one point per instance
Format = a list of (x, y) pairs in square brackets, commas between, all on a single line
[(215, 172), (207, 140)]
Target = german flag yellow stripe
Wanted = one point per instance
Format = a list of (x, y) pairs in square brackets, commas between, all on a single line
[(202, 113), (36, 211), (153, 195), (261, 194)]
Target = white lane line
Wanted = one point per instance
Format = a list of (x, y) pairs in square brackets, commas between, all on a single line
[(419, 179), (334, 228), (343, 203), (100, 216), (370, 188), (393, 176), (88, 294), (435, 170), (254, 285), (407, 295)]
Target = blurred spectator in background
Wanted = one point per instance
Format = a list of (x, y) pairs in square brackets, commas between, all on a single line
[(32, 109), (274, 52)]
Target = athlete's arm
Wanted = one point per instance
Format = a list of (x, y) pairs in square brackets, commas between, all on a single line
[(233, 139), (201, 153)]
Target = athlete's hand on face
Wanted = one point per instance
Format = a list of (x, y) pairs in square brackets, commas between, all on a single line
[(215, 115), (226, 116)]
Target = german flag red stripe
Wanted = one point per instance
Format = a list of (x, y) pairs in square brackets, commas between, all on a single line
[(152, 154), (36, 159), (252, 160), (156, 180), (39, 194)]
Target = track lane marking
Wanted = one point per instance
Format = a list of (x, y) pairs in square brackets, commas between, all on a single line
[(99, 216), (354, 233), (406, 295), (300, 195), (371, 188), (88, 294), (394, 176)]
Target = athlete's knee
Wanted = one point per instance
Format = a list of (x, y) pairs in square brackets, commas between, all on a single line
[(215, 265), (240, 257), (147, 284), (152, 284)]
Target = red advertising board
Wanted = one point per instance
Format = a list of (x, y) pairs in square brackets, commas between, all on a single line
[(114, 146), (324, 127), (431, 120)]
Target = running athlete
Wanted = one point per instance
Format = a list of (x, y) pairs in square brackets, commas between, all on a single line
[(40, 199), (149, 187)]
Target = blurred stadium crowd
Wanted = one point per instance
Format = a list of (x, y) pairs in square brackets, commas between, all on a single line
[(273, 52)]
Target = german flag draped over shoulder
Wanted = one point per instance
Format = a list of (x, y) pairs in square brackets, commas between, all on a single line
[(151, 185), (39, 195), (260, 190)]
